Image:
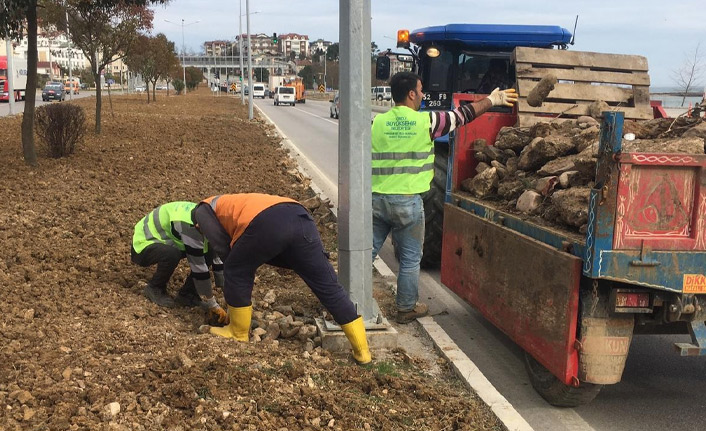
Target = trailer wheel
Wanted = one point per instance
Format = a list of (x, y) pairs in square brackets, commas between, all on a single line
[(434, 208), (554, 391)]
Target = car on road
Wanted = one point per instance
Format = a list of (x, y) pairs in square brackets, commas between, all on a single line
[(284, 95), (140, 89), (53, 91), (335, 107), (258, 90), (162, 87), (381, 93)]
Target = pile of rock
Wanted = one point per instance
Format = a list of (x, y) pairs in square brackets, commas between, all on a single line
[(548, 169)]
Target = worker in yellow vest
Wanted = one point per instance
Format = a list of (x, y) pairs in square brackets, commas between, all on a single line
[(249, 230), (403, 167)]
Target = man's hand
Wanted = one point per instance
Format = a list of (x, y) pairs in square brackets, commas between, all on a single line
[(503, 97), (216, 316)]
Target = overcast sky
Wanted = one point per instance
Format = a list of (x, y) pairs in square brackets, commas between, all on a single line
[(664, 32)]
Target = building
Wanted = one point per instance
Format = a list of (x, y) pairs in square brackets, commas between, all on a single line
[(396, 65), (218, 47), (261, 44), (319, 44), (53, 53), (293, 42)]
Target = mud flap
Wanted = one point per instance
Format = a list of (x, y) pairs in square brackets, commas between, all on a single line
[(604, 338)]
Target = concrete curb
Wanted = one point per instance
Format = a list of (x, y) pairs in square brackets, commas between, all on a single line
[(464, 368)]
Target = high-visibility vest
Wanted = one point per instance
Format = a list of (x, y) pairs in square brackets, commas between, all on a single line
[(402, 152), (156, 227), (236, 211)]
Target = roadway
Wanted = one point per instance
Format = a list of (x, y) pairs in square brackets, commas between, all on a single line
[(20, 106), (659, 391)]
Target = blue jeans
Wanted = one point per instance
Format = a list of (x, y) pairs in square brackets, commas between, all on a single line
[(403, 216)]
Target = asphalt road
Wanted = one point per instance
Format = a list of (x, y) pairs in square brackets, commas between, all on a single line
[(20, 106), (659, 391)]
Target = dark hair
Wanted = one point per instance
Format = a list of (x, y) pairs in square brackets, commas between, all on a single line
[(401, 84)]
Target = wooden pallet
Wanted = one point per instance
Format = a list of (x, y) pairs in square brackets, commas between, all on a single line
[(619, 80)]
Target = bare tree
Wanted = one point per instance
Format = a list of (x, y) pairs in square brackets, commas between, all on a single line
[(688, 76)]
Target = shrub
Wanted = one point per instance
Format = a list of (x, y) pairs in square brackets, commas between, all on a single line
[(60, 126), (178, 85)]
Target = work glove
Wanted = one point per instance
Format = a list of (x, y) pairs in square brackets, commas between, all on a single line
[(215, 315), (503, 97)]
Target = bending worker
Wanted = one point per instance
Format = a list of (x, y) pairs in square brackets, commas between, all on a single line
[(249, 230), (164, 237), (403, 167)]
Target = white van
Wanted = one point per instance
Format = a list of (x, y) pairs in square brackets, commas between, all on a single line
[(258, 90), (284, 95), (381, 93)]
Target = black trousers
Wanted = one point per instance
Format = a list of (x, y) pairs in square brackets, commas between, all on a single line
[(166, 257), (283, 235)]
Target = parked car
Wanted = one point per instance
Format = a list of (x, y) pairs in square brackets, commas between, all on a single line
[(335, 108), (285, 95), (53, 91), (381, 93), (140, 89), (162, 87)]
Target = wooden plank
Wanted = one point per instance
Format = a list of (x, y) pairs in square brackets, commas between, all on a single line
[(640, 112), (581, 92), (583, 75), (580, 58)]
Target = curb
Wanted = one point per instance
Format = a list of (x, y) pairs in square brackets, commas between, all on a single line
[(462, 365)]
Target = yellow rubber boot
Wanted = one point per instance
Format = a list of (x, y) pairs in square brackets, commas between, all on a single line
[(239, 326), (355, 332)]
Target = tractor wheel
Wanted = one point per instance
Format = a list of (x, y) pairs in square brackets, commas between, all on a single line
[(554, 391), (434, 208)]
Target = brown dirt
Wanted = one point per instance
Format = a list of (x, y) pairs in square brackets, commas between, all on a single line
[(77, 335)]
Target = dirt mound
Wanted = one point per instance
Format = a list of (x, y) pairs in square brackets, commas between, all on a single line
[(81, 348)]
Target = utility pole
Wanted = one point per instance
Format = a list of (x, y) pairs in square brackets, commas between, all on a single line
[(250, 83), (355, 242), (240, 48), (183, 47), (71, 79), (10, 76)]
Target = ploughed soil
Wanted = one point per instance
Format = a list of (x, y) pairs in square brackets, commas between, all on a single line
[(82, 349)]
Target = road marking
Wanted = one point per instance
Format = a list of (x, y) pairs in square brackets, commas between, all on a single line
[(316, 116)]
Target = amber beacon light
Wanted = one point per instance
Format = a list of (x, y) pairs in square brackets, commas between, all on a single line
[(403, 38)]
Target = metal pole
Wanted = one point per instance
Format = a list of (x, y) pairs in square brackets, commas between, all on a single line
[(240, 48), (250, 83), (71, 79), (183, 53), (355, 242), (10, 77), (325, 86)]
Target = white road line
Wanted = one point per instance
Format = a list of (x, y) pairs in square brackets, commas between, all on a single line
[(317, 116)]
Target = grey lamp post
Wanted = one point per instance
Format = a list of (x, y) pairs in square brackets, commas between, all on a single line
[(183, 47)]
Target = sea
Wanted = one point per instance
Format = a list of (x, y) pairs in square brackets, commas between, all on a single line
[(671, 97)]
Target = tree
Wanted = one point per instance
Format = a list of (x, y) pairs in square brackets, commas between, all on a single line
[(14, 16), (141, 60), (292, 55), (194, 76), (262, 75), (374, 50), (175, 74), (689, 74), (316, 56), (86, 76), (162, 50), (307, 75), (302, 55), (105, 30), (332, 52)]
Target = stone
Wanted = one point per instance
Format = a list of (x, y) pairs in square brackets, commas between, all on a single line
[(479, 144), (558, 166), (511, 165), (545, 185), (113, 409), (585, 119), (23, 396), (481, 167), (481, 157), (510, 190), (542, 150), (541, 130), (536, 96), (511, 138), (529, 201), (66, 374), (483, 184), (311, 204), (569, 179), (585, 138), (597, 108), (270, 296), (572, 205), (203, 329), (273, 331), (185, 361), (259, 332), (494, 153)]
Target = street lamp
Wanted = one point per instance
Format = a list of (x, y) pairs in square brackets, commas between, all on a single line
[(183, 47), (240, 48)]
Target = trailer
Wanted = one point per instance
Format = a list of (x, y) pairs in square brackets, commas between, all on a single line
[(19, 81), (571, 301)]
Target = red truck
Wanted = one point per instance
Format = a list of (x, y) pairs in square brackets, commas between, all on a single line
[(572, 301), (19, 82)]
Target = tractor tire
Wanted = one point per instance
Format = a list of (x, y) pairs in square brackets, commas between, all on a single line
[(434, 208), (554, 391)]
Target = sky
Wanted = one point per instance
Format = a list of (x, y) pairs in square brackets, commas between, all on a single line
[(667, 33)]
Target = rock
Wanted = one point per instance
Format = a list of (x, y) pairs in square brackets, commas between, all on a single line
[(509, 153), (481, 167), (542, 150), (483, 184), (586, 138), (572, 205), (28, 413), (28, 314), (479, 144), (540, 92), (541, 130), (585, 119), (558, 166), (23, 396), (185, 361), (597, 108), (585, 165), (511, 165), (529, 201), (113, 409), (289, 332), (481, 157), (545, 185), (66, 374), (284, 309), (203, 329), (569, 179), (270, 296), (273, 331), (311, 204), (698, 131), (511, 138), (502, 171), (510, 190), (309, 346), (494, 153), (259, 332)]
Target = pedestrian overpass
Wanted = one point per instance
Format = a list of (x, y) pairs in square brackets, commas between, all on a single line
[(228, 67)]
